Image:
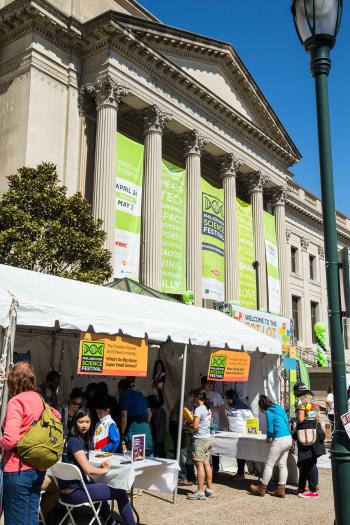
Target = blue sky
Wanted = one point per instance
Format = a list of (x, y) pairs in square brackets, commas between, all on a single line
[(262, 32)]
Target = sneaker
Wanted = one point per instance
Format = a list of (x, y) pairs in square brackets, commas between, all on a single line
[(238, 477), (209, 493), (185, 483), (196, 495), (308, 494)]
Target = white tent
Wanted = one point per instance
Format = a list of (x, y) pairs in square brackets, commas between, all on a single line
[(44, 300)]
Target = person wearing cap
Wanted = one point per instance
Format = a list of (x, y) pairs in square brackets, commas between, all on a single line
[(307, 411)]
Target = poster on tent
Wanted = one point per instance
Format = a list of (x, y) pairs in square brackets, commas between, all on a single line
[(213, 242), (112, 355), (246, 255), (173, 229), (225, 365), (128, 207), (273, 275)]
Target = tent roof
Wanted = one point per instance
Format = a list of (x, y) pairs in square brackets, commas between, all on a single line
[(44, 300)]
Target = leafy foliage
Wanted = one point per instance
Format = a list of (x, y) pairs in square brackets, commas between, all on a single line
[(43, 229)]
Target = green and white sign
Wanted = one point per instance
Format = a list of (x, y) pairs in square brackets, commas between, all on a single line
[(246, 255), (173, 229), (128, 207), (273, 276), (213, 242)]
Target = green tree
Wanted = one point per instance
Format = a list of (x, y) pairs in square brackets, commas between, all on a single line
[(43, 229)]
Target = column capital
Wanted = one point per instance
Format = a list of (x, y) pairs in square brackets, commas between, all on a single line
[(106, 92), (194, 143), (279, 196), (229, 165), (304, 244), (155, 120), (256, 182)]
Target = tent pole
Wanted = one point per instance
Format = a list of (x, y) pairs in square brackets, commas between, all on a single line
[(7, 356), (182, 399)]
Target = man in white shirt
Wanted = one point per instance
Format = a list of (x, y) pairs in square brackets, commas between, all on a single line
[(330, 406)]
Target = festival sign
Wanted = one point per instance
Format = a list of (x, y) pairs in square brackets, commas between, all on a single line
[(213, 242), (128, 207), (246, 255), (225, 365), (112, 355), (273, 275), (173, 229)]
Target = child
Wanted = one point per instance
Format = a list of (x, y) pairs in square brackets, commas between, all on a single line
[(106, 437)]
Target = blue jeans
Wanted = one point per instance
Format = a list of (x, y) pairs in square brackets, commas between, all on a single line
[(21, 497)]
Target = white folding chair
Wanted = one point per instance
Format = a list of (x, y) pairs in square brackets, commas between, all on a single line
[(68, 472), (41, 515)]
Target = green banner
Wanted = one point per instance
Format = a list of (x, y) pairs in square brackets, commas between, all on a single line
[(246, 255), (273, 276), (128, 207), (173, 229), (213, 242)]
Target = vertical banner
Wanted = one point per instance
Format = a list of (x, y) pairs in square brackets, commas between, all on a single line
[(246, 255), (273, 276), (213, 242), (173, 229), (128, 207)]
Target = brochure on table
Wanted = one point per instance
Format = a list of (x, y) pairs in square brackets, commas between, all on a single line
[(138, 448), (252, 426)]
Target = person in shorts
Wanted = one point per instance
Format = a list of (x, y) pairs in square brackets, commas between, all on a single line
[(201, 445)]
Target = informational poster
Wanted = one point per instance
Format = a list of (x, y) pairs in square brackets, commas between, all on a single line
[(173, 229), (246, 255), (138, 448), (128, 207), (252, 426), (225, 365), (273, 276), (112, 355), (213, 242)]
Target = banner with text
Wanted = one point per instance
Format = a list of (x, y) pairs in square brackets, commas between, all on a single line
[(246, 255), (173, 229), (273, 276), (225, 365), (128, 207), (213, 242), (111, 355)]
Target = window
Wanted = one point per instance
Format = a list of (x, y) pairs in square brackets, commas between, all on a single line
[(295, 316), (314, 319), (294, 259), (312, 266)]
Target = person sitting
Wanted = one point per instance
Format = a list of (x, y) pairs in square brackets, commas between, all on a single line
[(135, 415), (158, 422), (106, 437), (102, 392), (76, 452), (76, 399), (48, 389)]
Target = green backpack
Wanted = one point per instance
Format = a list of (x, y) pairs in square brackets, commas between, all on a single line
[(42, 445)]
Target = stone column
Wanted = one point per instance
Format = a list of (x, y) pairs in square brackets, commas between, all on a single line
[(151, 251), (194, 145), (87, 141), (279, 203), (229, 167), (256, 186), (108, 95)]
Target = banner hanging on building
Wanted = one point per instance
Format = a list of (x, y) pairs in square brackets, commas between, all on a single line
[(112, 355), (225, 365), (213, 242), (246, 255), (128, 207), (173, 229), (273, 276)]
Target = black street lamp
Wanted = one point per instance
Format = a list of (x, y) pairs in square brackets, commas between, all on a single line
[(317, 23)]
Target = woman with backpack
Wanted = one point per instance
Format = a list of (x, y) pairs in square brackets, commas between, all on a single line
[(280, 440), (21, 482), (76, 452)]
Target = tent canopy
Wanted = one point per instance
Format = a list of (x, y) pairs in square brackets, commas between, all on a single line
[(43, 300)]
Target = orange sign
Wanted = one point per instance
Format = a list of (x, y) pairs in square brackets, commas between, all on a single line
[(225, 365), (112, 355)]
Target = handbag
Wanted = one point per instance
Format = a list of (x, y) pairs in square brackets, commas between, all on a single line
[(307, 436)]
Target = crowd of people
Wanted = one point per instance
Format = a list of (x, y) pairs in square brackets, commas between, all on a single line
[(92, 419)]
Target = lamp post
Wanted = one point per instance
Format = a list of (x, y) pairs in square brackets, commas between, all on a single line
[(317, 23)]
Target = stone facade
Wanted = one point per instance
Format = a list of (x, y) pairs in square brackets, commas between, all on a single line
[(72, 73)]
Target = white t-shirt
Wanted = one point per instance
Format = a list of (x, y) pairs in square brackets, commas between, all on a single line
[(204, 422), (330, 407), (216, 401)]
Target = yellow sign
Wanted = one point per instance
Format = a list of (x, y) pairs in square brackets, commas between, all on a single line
[(225, 365), (293, 352), (252, 425), (112, 355)]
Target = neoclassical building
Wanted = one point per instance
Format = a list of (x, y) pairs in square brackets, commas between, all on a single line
[(74, 72)]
